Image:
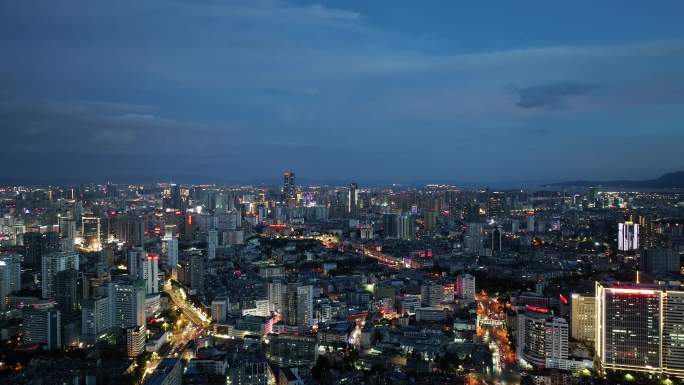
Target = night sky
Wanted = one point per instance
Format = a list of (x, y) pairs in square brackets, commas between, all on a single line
[(371, 91)]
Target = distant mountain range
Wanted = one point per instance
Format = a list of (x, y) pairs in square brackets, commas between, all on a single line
[(669, 180)]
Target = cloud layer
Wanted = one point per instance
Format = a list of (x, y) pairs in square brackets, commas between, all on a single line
[(241, 90)]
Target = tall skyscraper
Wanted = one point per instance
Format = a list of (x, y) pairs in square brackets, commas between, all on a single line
[(289, 188), (353, 201), (639, 328), (10, 276), (628, 236), (52, 264)]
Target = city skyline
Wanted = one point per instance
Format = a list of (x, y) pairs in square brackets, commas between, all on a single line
[(242, 90)]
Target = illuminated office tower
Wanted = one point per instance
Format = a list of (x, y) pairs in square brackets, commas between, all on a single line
[(289, 188), (52, 264), (583, 317), (542, 339), (151, 273), (90, 231), (170, 249), (212, 243), (95, 317), (530, 224), (673, 333), (628, 327), (127, 303), (353, 201), (628, 236)]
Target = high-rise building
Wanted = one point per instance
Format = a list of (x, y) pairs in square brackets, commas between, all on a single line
[(583, 317), (673, 333), (136, 261), (69, 292), (10, 276), (212, 243), (36, 245), (473, 238), (639, 328), (52, 264), (42, 324), (298, 306), (197, 271), (135, 340), (661, 260), (628, 236), (275, 295), (151, 273), (289, 188), (465, 286), (406, 230), (170, 249), (542, 339), (175, 199), (127, 302), (432, 294), (429, 220), (90, 231), (95, 317), (353, 201), (219, 309), (389, 221)]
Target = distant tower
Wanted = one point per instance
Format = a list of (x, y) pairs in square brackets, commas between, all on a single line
[(353, 201), (628, 236), (289, 188), (212, 244)]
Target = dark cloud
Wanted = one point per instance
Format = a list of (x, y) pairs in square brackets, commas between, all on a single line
[(550, 96)]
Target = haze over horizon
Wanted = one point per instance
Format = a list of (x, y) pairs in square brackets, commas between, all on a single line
[(341, 90)]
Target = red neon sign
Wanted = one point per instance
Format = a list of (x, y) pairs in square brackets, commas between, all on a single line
[(537, 309)]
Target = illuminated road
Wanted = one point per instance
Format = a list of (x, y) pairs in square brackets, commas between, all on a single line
[(199, 323), (195, 316), (491, 326)]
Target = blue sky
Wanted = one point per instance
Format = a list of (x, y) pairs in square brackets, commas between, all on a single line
[(379, 91)]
